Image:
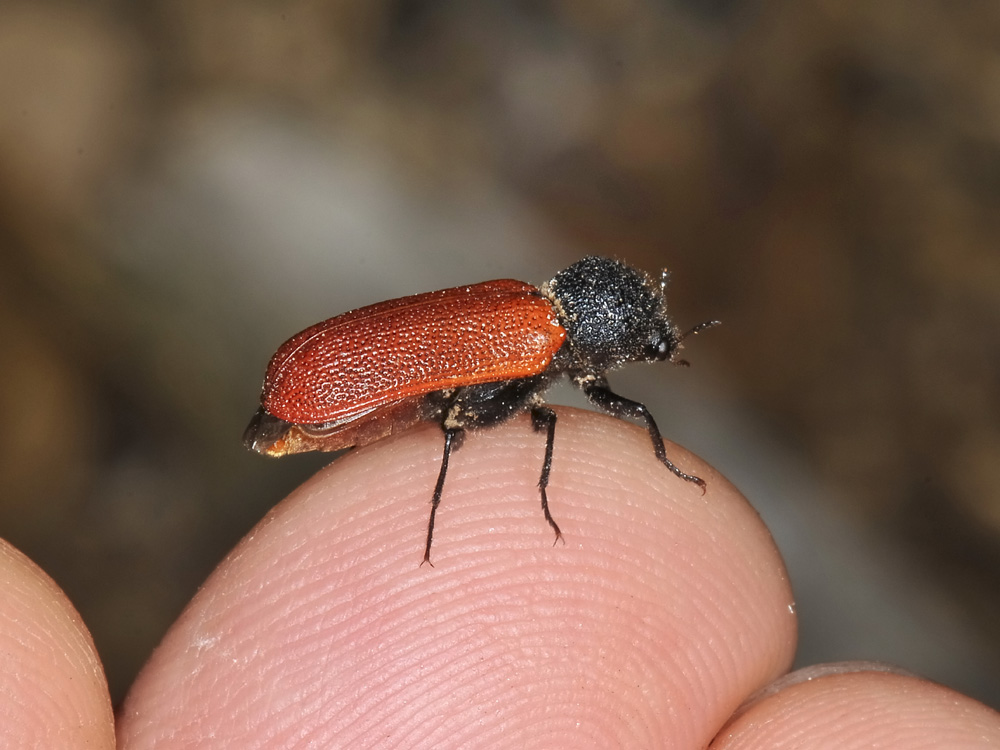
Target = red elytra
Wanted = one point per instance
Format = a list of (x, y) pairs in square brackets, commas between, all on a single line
[(346, 367), (468, 357)]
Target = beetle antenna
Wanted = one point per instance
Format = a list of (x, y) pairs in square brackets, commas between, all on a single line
[(694, 329), (698, 329)]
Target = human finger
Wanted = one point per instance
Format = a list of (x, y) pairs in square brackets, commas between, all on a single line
[(662, 611), (859, 706), (52, 687)]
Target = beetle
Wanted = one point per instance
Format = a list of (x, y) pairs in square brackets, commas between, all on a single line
[(466, 358)]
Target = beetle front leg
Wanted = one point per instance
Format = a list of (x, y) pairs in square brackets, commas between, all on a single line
[(601, 396)]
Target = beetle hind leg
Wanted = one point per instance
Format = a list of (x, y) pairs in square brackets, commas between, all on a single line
[(452, 436), (450, 415)]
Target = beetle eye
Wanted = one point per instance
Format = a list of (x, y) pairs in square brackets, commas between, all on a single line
[(658, 350)]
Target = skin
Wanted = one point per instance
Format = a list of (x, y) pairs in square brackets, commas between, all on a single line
[(52, 687), (663, 612)]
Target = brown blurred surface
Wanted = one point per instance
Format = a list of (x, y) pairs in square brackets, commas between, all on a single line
[(182, 185)]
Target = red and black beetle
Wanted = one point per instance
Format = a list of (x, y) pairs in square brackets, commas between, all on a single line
[(467, 357)]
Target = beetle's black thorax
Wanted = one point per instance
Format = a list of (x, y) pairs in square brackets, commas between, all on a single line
[(612, 314)]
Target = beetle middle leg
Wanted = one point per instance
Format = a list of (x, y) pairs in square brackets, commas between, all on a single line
[(543, 418), (599, 394)]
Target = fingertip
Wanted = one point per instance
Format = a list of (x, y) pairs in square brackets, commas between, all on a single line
[(53, 685), (658, 598), (860, 708)]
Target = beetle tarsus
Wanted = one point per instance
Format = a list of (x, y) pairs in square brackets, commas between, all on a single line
[(686, 477)]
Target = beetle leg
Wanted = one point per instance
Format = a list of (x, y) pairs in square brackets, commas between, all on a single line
[(450, 435), (599, 394), (543, 418)]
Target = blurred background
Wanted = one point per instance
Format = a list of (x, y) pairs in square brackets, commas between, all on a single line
[(183, 185)]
